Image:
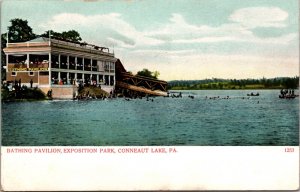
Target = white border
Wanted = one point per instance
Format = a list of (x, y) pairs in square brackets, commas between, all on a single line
[(190, 168)]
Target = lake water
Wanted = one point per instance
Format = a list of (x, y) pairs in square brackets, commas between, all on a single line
[(265, 120)]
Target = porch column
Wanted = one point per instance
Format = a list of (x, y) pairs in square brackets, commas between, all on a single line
[(59, 61), (27, 60), (83, 64), (109, 67), (49, 68), (68, 61), (76, 64), (91, 62), (6, 62), (58, 77), (68, 78)]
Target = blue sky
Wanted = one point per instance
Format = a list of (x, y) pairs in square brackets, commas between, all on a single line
[(192, 39)]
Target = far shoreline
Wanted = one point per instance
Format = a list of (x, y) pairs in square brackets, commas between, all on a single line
[(238, 89)]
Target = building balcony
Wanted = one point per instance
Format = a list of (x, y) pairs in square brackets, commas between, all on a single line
[(24, 67), (39, 65)]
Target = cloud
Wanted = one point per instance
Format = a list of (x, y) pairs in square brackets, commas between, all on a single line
[(174, 48), (178, 30), (109, 28), (112, 30), (120, 43), (253, 17)]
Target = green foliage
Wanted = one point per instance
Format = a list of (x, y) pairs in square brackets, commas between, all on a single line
[(35, 93), (52, 33), (70, 35), (147, 73), (5, 95), (3, 59), (291, 83), (156, 74), (20, 31), (273, 83), (23, 94)]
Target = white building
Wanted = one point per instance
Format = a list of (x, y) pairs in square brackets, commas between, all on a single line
[(58, 65)]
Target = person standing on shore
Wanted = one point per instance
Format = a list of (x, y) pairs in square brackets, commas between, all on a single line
[(31, 82)]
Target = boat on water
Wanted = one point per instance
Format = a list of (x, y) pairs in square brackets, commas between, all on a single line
[(287, 94), (252, 94)]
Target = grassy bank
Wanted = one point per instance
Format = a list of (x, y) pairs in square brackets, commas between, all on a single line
[(92, 91)]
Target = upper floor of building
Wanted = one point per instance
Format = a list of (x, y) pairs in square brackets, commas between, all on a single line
[(44, 53)]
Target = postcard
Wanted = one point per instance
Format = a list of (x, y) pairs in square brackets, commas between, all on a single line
[(149, 95)]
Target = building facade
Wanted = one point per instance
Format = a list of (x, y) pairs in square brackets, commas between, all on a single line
[(59, 66)]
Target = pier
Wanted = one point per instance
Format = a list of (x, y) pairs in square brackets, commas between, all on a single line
[(140, 85)]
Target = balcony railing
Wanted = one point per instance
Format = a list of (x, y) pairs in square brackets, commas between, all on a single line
[(28, 44), (24, 67), (39, 65)]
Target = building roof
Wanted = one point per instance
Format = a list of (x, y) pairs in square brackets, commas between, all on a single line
[(43, 44), (39, 39), (57, 40)]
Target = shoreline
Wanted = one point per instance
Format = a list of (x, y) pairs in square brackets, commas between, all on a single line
[(227, 89)]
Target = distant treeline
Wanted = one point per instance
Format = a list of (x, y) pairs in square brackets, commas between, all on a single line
[(215, 83)]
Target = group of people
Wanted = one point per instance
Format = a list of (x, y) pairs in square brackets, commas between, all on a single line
[(216, 97), (290, 92), (287, 94), (175, 96)]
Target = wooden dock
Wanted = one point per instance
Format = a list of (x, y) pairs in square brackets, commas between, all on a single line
[(139, 84)]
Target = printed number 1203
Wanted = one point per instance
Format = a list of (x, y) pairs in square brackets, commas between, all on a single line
[(289, 150)]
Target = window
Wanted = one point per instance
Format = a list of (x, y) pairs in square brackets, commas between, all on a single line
[(94, 65), (54, 77), (87, 64), (100, 66), (17, 59), (79, 75), (71, 62), (13, 73), (54, 61), (106, 80), (79, 63), (36, 60), (31, 73), (112, 66), (63, 62), (106, 65), (111, 80)]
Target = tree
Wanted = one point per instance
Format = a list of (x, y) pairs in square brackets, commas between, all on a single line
[(156, 74), (291, 83), (3, 58), (52, 33), (147, 73), (20, 31), (70, 35)]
